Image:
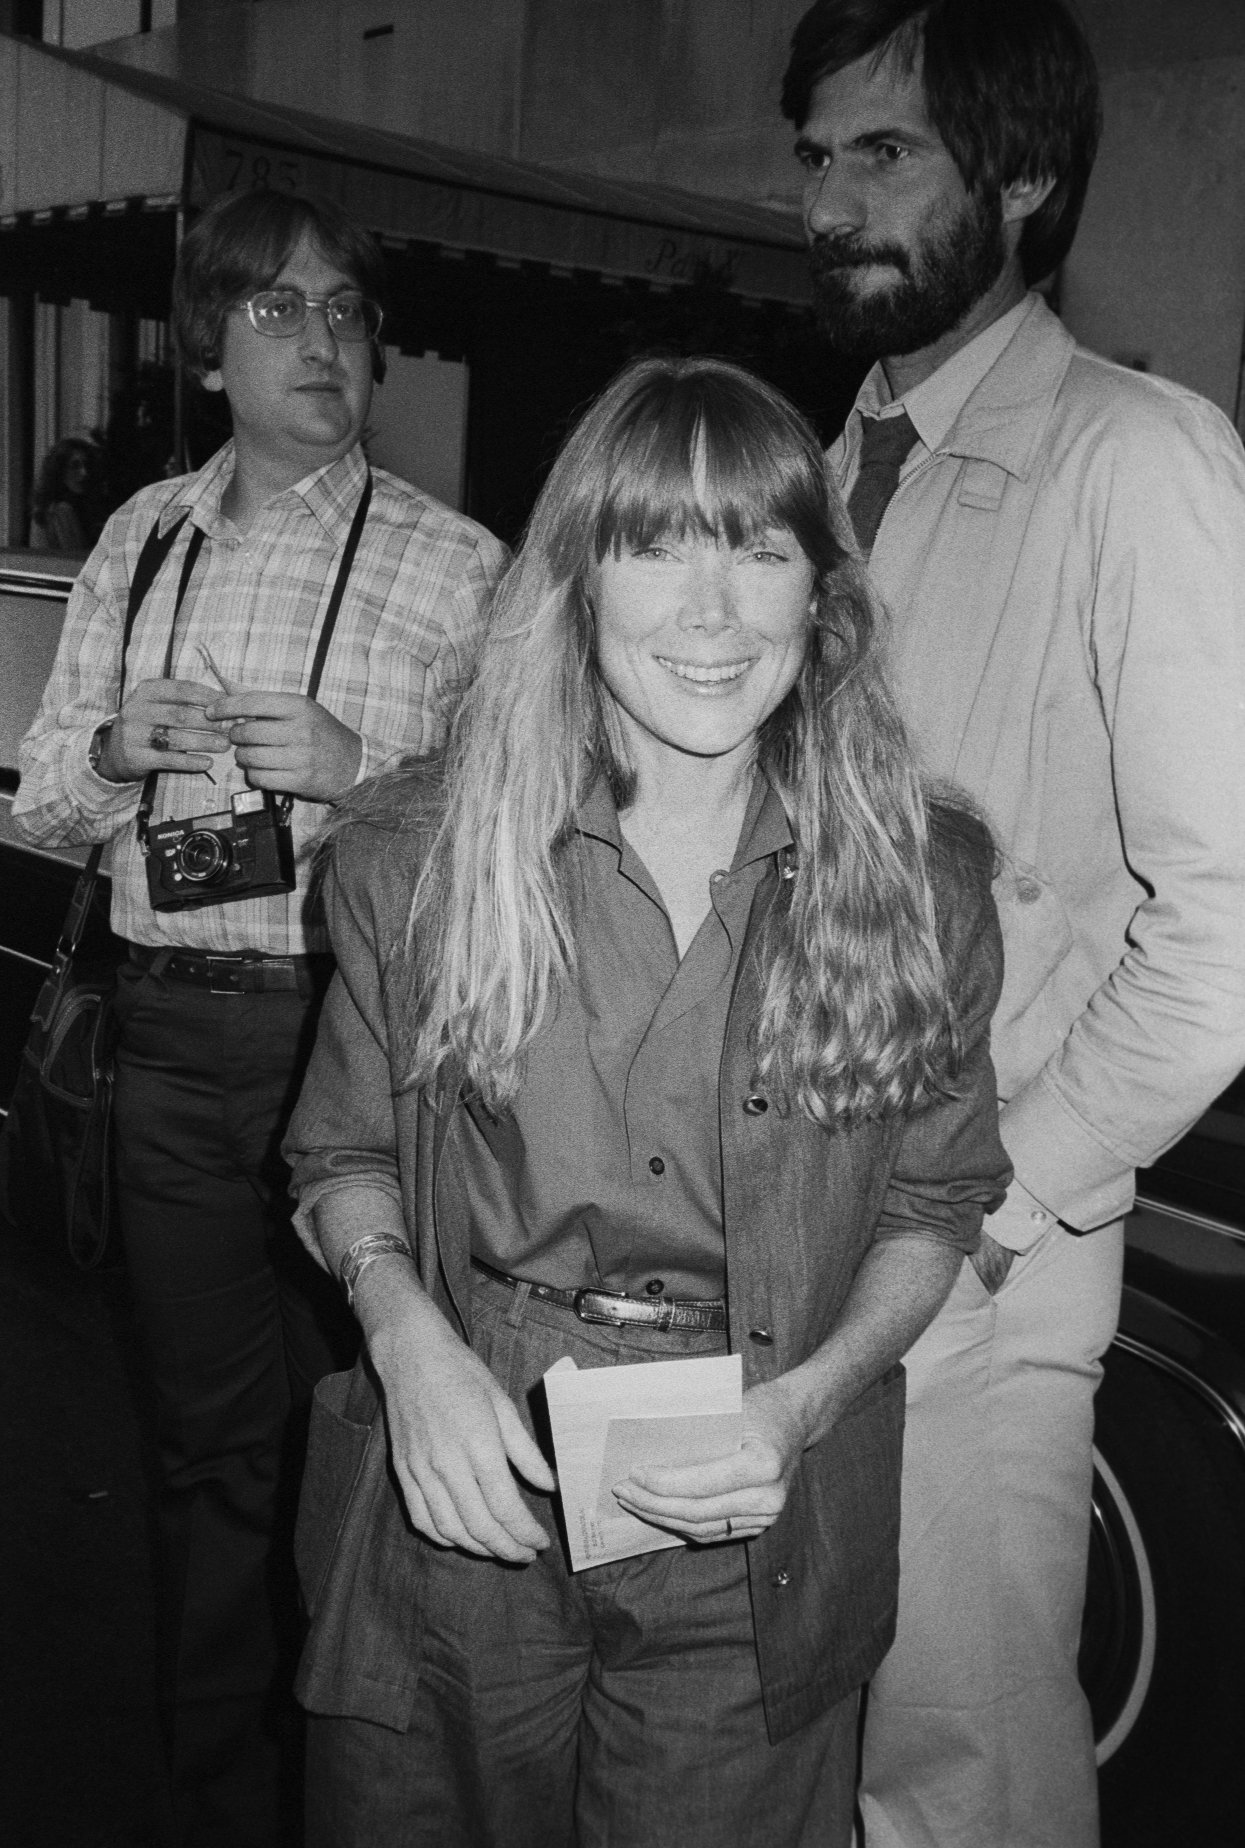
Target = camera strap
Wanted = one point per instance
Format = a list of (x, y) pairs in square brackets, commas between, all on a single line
[(148, 796), (339, 587), (155, 550)]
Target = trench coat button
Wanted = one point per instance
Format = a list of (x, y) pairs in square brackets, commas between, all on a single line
[(655, 1286), (1028, 891), (755, 1104), (761, 1336), (781, 1580), (657, 1165)]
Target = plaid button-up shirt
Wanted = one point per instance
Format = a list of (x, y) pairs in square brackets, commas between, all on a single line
[(406, 635)]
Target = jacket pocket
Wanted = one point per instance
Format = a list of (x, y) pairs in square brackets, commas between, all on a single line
[(1037, 938), (336, 1447)]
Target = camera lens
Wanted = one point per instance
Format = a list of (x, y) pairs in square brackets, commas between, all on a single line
[(203, 857)]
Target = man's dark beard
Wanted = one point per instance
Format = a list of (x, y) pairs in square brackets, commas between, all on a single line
[(938, 283)]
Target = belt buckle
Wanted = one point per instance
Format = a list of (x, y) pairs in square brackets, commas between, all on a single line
[(228, 982), (600, 1315)]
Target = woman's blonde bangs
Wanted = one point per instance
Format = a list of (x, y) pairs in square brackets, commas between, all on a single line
[(696, 454)]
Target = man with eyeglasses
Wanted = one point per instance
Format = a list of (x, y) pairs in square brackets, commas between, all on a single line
[(305, 618)]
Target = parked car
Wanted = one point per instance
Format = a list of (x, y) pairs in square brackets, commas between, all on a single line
[(34, 886), (1163, 1645)]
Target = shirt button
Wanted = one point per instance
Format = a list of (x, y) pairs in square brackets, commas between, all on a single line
[(780, 1580), (657, 1165), (761, 1336), (655, 1286), (755, 1104)]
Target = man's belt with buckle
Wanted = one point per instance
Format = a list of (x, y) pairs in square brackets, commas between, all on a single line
[(235, 972)]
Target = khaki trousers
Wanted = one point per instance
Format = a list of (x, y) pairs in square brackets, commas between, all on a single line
[(977, 1734)]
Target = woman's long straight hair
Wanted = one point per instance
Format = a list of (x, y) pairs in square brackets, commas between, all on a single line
[(856, 1020)]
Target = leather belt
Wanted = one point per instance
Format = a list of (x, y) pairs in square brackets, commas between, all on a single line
[(618, 1310), (240, 972)]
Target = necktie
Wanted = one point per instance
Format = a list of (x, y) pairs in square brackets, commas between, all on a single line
[(884, 446)]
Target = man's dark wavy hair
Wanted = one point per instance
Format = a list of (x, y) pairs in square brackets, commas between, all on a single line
[(1010, 85), (240, 243)]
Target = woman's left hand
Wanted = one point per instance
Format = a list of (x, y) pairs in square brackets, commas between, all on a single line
[(736, 1497)]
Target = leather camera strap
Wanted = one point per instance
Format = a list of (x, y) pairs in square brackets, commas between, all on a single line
[(339, 586), (143, 580)]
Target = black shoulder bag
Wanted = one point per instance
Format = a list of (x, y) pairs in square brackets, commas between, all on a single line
[(56, 1170)]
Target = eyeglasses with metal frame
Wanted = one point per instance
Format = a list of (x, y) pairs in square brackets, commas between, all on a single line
[(281, 314)]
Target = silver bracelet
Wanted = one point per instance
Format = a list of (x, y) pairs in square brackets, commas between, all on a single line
[(365, 1251)]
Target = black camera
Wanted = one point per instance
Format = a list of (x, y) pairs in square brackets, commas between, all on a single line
[(246, 852)]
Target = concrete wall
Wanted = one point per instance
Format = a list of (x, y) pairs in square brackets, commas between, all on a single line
[(418, 423), (1157, 273), (75, 23), (679, 91)]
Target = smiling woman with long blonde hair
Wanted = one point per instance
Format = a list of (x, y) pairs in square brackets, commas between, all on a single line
[(660, 1031)]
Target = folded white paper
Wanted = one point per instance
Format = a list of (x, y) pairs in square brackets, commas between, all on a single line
[(610, 1421)]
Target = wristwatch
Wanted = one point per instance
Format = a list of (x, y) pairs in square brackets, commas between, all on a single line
[(95, 750)]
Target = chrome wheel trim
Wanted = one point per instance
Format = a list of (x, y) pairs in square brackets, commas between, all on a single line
[(1143, 1673)]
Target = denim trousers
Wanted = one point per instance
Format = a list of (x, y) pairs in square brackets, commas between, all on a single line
[(237, 1324), (619, 1707)]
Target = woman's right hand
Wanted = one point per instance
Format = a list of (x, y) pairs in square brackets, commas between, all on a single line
[(167, 709), (455, 1437)]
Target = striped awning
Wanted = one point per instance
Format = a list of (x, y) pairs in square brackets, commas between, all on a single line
[(79, 134)]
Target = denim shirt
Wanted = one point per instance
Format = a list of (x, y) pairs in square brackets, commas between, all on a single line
[(801, 1207)]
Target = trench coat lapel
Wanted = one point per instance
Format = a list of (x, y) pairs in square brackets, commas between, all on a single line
[(971, 548)]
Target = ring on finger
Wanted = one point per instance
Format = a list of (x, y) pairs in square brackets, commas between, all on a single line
[(159, 740)]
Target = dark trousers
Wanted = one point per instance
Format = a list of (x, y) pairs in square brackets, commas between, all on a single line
[(619, 1707), (238, 1324)]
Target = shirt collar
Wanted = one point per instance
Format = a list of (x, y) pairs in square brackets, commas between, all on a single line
[(937, 403), (766, 829), (598, 814), (330, 493), (199, 494)]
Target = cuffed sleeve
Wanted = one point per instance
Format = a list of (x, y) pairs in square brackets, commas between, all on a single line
[(951, 1168), (61, 800), (342, 1134), (1021, 1220)]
